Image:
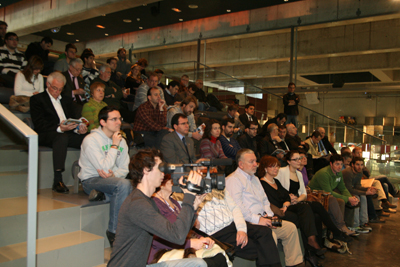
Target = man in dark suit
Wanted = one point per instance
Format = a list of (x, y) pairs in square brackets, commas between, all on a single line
[(248, 140), (280, 119), (177, 147), (74, 86), (49, 111), (324, 145), (249, 115)]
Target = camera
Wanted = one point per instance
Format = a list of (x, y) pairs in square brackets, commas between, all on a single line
[(276, 222), (209, 182)]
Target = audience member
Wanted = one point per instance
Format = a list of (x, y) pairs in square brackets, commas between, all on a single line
[(247, 192), (3, 31), (352, 179), (187, 107), (142, 62), (345, 149), (89, 72), (11, 60), (248, 139), (133, 80), (123, 64), (272, 144), (141, 93), (347, 157), (151, 118), (330, 178), (210, 146), (239, 127), (104, 161), (41, 49), (49, 112), (282, 135), (112, 61), (171, 94), (249, 115), (184, 83), (293, 141), (291, 102), (230, 146), (176, 146), (220, 217), (160, 73), (200, 94), (313, 145), (135, 233), (279, 120), (29, 81), (62, 64), (324, 145), (92, 108), (74, 87), (306, 173)]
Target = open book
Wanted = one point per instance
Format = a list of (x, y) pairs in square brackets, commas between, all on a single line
[(367, 182), (278, 151)]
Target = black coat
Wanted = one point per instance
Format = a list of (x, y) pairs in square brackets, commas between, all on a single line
[(245, 141), (69, 85)]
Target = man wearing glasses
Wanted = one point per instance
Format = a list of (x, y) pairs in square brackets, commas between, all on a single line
[(74, 87), (104, 164), (49, 112), (11, 60), (248, 139)]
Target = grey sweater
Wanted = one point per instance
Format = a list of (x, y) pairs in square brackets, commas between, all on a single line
[(353, 182), (138, 220)]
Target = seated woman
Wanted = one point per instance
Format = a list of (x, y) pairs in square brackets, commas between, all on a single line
[(133, 80), (300, 213), (170, 209), (307, 174), (210, 146), (29, 81), (92, 108)]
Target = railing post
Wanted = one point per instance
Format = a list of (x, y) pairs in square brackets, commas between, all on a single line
[(291, 53), (32, 200)]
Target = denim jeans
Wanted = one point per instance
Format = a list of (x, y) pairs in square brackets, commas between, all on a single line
[(115, 189), (361, 213), (190, 262), (292, 119), (384, 180)]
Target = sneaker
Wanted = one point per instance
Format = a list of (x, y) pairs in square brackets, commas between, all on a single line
[(366, 226), (96, 195), (359, 230), (349, 232)]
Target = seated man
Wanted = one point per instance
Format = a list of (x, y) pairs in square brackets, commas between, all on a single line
[(123, 64), (248, 139), (352, 178), (347, 157), (270, 143), (187, 107), (62, 64), (247, 192), (293, 141), (151, 118), (176, 146), (115, 77), (330, 179), (139, 218), (89, 71), (229, 145), (171, 93), (160, 73), (220, 217), (239, 127), (49, 111), (41, 49), (11, 60), (74, 87), (184, 83), (113, 94), (282, 131), (324, 145), (279, 120), (313, 145), (248, 115), (141, 93), (104, 164)]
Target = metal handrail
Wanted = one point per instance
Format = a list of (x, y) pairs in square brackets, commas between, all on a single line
[(26, 132), (270, 93)]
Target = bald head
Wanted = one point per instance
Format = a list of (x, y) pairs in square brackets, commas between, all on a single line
[(321, 130), (291, 129)]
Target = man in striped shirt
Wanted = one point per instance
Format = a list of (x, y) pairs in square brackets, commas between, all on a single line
[(11, 60)]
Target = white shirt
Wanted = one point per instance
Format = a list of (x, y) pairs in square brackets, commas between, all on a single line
[(23, 87), (57, 106)]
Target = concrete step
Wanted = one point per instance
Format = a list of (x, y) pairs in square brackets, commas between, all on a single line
[(54, 218), (13, 158), (13, 184), (76, 249)]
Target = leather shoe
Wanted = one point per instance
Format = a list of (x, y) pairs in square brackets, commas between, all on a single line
[(384, 214), (343, 237), (387, 205), (110, 237), (377, 220), (60, 187), (96, 195)]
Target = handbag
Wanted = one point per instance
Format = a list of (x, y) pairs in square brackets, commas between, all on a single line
[(318, 196)]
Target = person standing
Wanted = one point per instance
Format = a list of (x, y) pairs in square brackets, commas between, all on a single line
[(291, 102)]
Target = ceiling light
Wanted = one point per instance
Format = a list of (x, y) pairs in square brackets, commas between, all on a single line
[(77, 40), (176, 9), (144, 4), (106, 34), (55, 30), (285, 0), (100, 26), (180, 19), (127, 20), (193, 6), (103, 15), (228, 10), (141, 28), (138, 19), (70, 33)]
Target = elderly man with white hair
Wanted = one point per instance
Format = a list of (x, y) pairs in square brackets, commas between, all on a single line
[(324, 145), (49, 112)]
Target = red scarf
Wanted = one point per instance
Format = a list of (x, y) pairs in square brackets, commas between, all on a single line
[(213, 139)]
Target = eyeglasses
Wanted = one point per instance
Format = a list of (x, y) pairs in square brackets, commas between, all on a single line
[(116, 119), (79, 70), (296, 159), (56, 89)]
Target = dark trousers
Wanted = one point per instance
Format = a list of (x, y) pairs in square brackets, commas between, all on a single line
[(392, 189), (60, 143), (306, 220), (153, 139), (261, 245), (371, 209)]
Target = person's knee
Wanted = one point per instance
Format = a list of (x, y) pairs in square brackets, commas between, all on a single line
[(124, 185), (199, 263)]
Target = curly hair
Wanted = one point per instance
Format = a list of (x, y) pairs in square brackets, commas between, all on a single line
[(265, 162), (144, 159)]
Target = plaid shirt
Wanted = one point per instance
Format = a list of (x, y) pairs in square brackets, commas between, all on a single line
[(149, 119)]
